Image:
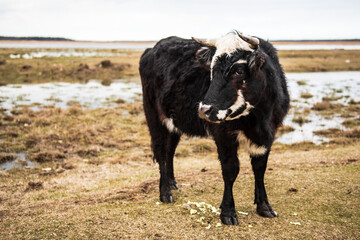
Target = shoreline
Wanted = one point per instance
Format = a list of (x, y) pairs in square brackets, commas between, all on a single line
[(277, 42)]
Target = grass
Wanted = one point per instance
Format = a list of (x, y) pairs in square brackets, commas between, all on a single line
[(319, 60), (300, 120), (306, 95), (105, 185), (125, 65), (68, 69), (96, 178), (351, 123)]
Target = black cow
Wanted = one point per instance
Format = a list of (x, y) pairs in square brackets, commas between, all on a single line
[(230, 88)]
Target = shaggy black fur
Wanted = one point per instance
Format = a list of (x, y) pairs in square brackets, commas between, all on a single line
[(175, 76)]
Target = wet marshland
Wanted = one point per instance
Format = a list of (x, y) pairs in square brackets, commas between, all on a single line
[(319, 101)]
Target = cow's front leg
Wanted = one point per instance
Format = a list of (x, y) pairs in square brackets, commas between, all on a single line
[(230, 170), (259, 166)]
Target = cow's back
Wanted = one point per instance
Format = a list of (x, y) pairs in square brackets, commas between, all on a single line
[(174, 82)]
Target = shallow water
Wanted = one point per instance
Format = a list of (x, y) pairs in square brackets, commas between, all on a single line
[(90, 95), (19, 163), (64, 54), (342, 85), (141, 46), (66, 45)]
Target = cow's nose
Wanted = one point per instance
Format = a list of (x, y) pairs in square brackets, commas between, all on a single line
[(205, 110)]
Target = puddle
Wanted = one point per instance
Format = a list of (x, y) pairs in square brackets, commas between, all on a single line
[(90, 95), (342, 86), (20, 162), (64, 54)]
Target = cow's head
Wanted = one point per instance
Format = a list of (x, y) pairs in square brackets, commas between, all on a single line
[(235, 63)]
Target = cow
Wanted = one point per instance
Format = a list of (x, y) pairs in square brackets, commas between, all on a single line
[(232, 88)]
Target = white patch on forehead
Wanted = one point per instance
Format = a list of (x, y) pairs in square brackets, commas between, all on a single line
[(169, 124), (241, 61), (228, 45), (252, 148)]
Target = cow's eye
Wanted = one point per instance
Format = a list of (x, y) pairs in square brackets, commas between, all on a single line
[(239, 74)]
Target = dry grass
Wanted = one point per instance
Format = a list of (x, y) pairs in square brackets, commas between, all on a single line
[(319, 60), (351, 123), (96, 178), (68, 69), (126, 66), (106, 186), (306, 95)]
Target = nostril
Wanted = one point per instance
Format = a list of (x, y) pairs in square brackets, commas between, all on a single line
[(207, 110)]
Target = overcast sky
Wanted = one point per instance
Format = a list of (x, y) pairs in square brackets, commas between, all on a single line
[(109, 20)]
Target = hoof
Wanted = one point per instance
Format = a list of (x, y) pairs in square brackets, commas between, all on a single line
[(264, 209), (229, 220), (166, 198)]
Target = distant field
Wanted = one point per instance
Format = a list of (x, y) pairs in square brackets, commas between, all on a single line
[(124, 64), (316, 42)]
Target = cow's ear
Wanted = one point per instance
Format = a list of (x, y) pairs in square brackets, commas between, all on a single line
[(256, 61), (204, 56)]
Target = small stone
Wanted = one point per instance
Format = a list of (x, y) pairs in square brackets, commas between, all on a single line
[(200, 220), (243, 213), (60, 170), (186, 206), (295, 223)]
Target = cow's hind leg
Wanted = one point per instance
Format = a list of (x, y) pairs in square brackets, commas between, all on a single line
[(227, 150), (171, 144), (259, 166), (163, 144), (159, 135)]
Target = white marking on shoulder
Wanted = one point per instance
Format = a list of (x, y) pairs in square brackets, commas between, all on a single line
[(252, 148), (228, 45), (169, 124)]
